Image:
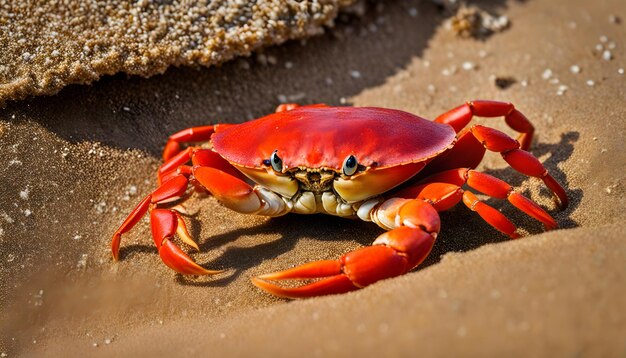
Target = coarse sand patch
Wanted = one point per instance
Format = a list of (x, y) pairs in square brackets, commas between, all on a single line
[(47, 45)]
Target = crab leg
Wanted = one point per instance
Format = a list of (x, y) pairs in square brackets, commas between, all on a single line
[(520, 160), (443, 196), (486, 184), (460, 117), (198, 157), (414, 227), (229, 190), (210, 172), (190, 135), (193, 134), (470, 148), (164, 223)]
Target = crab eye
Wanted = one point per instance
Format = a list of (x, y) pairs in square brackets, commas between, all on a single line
[(350, 165), (277, 163)]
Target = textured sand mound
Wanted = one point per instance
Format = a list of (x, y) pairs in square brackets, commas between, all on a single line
[(47, 45)]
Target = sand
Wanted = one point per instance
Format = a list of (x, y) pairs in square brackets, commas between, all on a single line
[(48, 45), (74, 164)]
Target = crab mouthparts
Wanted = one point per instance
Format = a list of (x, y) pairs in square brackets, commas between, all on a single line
[(315, 180)]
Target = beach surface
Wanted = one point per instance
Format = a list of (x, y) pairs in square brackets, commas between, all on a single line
[(73, 165)]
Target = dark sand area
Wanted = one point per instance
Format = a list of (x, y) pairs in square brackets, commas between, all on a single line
[(74, 164)]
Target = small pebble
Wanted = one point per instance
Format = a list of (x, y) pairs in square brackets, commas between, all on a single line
[(561, 90), (614, 19), (590, 83), (547, 74), (413, 12), (604, 38), (620, 71), (468, 66), (607, 55), (574, 69), (24, 194), (82, 262), (355, 74), (288, 65), (449, 71)]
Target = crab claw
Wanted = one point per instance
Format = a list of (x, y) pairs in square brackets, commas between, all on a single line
[(393, 253), (164, 225), (328, 286)]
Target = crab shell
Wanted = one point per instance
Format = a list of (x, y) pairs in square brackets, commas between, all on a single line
[(390, 145)]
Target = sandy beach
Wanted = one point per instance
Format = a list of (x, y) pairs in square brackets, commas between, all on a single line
[(75, 163)]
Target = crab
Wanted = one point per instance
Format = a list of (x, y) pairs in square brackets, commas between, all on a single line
[(381, 165)]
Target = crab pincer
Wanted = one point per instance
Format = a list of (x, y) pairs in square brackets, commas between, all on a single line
[(165, 223), (393, 253)]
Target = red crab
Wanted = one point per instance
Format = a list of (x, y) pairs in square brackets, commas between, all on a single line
[(348, 162)]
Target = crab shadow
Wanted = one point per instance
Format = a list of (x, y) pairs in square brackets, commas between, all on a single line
[(287, 232), (462, 230)]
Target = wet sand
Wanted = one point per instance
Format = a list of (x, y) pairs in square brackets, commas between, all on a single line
[(74, 164)]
